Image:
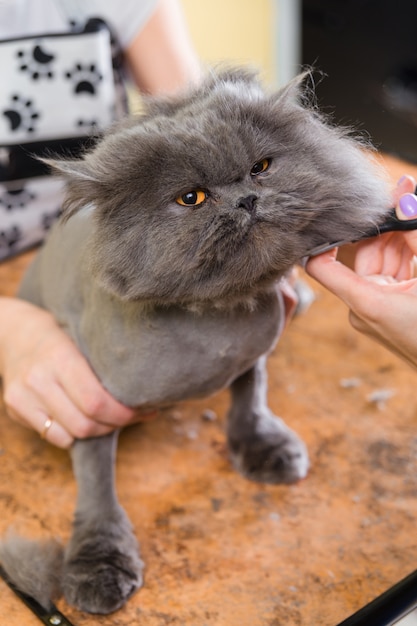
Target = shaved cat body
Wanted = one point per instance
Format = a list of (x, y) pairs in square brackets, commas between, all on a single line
[(195, 353)]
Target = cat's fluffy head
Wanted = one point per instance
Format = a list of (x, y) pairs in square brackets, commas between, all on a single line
[(210, 194)]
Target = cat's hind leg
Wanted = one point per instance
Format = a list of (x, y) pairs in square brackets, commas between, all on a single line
[(262, 448), (102, 568)]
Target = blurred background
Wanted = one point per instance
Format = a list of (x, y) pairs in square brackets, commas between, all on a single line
[(240, 31), (365, 48)]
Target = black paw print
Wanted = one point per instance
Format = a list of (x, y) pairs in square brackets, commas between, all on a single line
[(22, 114), (16, 198), (85, 78), (88, 125), (10, 237), (37, 62)]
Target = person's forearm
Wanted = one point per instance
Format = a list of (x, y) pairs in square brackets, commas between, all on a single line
[(161, 57)]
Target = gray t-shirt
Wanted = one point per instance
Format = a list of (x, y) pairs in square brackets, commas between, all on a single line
[(19, 18)]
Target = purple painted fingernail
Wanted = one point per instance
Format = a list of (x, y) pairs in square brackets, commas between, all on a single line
[(408, 205)]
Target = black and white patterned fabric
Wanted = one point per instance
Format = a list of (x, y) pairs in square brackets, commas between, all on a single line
[(57, 92)]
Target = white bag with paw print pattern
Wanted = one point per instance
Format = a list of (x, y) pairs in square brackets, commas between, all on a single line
[(56, 92)]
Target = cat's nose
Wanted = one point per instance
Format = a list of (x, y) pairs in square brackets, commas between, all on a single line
[(247, 203)]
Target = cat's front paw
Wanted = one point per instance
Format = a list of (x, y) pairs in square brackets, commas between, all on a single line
[(102, 572), (273, 453)]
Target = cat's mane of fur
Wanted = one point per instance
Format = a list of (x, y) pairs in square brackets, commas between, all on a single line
[(225, 122)]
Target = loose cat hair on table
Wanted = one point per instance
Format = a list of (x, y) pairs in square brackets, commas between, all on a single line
[(165, 270)]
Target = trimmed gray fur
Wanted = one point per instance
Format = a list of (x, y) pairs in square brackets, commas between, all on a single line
[(169, 301), (36, 566)]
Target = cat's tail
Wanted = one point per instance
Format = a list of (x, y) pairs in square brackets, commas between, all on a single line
[(34, 567)]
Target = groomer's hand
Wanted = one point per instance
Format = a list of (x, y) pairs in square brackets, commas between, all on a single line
[(47, 384), (382, 292)]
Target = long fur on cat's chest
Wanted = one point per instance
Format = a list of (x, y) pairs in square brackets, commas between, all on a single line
[(147, 356)]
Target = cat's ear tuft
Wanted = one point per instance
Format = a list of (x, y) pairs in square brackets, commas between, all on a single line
[(71, 169), (238, 75), (81, 184), (235, 78), (301, 89)]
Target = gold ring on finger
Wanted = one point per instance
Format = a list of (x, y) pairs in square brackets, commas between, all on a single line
[(47, 425)]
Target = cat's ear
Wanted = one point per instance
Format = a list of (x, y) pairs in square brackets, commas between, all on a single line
[(81, 183), (301, 90), (71, 168)]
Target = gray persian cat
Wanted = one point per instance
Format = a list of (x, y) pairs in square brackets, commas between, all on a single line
[(165, 269)]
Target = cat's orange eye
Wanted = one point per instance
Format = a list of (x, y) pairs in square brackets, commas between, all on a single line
[(192, 198), (260, 167)]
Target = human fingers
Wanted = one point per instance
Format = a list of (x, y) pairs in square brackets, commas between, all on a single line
[(62, 379), (86, 393), (406, 184), (354, 290), (364, 294), (393, 322), (95, 410), (407, 206), (380, 307), (388, 254), (89, 408), (44, 373), (39, 397), (407, 209), (370, 253), (26, 410), (406, 268), (383, 253)]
